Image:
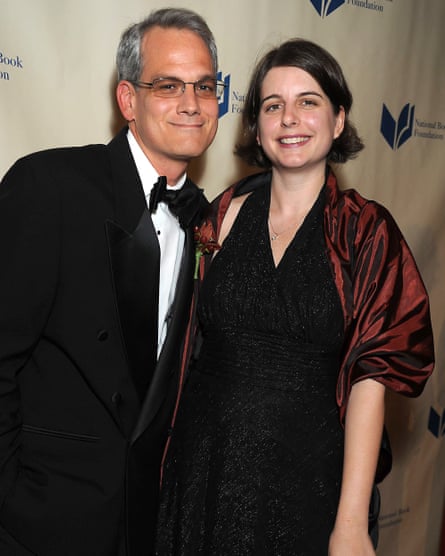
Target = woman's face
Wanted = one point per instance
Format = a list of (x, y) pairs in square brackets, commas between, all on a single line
[(296, 121)]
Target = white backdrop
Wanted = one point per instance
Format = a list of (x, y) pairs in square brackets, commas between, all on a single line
[(56, 88)]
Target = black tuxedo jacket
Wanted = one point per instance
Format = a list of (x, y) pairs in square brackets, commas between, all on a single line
[(84, 406)]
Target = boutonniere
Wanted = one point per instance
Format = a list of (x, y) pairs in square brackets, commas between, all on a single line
[(205, 239)]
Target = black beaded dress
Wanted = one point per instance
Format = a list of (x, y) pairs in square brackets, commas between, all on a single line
[(254, 465)]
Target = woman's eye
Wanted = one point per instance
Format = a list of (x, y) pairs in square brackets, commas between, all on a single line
[(272, 107), (308, 102)]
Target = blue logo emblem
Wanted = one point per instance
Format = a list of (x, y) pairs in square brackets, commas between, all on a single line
[(436, 423), (325, 7), (224, 100), (397, 133)]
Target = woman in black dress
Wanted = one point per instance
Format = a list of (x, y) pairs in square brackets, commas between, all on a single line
[(310, 308)]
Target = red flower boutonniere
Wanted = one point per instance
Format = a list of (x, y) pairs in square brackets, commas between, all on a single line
[(205, 239)]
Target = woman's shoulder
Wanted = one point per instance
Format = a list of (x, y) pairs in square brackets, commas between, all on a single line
[(349, 214), (228, 204), (368, 209), (352, 203), (244, 186)]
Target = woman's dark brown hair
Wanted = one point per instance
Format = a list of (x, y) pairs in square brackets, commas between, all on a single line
[(323, 67)]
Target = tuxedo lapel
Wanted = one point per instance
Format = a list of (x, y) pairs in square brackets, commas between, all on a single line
[(169, 359), (135, 267), (134, 259)]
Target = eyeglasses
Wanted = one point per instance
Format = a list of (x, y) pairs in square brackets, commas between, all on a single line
[(170, 87)]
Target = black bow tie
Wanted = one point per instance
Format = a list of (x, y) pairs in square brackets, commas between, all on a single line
[(187, 203)]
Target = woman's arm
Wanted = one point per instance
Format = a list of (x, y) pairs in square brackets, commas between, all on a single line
[(363, 433)]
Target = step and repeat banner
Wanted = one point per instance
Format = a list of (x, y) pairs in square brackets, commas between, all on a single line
[(57, 88)]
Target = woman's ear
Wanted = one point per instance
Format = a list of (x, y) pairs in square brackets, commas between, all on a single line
[(339, 122)]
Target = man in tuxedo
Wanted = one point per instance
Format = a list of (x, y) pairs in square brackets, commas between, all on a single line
[(96, 281)]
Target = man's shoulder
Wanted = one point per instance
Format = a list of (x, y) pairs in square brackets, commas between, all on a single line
[(60, 156), (61, 161), (63, 170)]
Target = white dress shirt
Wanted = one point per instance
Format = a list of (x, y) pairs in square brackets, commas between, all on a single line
[(170, 236)]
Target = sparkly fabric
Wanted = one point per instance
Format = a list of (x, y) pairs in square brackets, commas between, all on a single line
[(254, 465)]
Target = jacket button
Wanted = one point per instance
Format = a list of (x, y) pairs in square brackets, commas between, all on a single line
[(102, 335), (116, 398)]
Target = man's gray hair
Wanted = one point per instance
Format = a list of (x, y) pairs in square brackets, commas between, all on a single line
[(129, 60)]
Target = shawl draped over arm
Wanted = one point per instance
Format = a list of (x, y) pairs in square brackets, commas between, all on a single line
[(388, 333)]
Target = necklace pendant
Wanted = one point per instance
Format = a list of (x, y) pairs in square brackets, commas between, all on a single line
[(274, 237)]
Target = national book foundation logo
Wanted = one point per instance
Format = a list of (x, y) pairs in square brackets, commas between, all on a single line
[(436, 423), (232, 101), (397, 131), (326, 7), (224, 100), (9, 64)]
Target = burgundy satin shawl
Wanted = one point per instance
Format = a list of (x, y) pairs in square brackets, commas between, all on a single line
[(388, 334)]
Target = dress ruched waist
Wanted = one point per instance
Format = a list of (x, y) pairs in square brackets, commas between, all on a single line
[(255, 356)]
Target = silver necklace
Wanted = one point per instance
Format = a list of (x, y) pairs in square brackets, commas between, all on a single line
[(274, 236)]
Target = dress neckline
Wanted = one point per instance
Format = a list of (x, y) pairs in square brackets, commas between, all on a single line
[(301, 232)]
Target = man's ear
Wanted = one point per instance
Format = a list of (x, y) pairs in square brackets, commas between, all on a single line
[(125, 99)]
